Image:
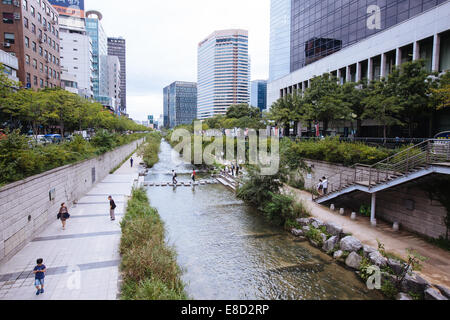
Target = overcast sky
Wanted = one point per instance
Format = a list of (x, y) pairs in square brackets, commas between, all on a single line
[(162, 38)]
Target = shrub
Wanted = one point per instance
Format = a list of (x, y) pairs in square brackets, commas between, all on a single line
[(389, 289), (149, 265)]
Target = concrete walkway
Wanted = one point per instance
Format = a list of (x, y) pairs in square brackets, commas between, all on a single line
[(436, 269), (83, 260)]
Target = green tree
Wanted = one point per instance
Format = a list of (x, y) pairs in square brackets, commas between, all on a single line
[(353, 94), (324, 101), (382, 105)]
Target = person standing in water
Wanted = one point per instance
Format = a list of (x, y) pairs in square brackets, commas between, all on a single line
[(174, 177), (193, 175)]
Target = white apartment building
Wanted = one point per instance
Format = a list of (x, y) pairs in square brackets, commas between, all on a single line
[(10, 64)]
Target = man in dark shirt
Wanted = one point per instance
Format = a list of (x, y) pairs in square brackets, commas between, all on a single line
[(112, 206), (131, 161)]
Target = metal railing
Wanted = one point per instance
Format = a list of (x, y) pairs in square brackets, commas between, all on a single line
[(404, 163)]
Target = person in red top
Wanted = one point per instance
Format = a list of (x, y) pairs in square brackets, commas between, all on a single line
[(193, 175)]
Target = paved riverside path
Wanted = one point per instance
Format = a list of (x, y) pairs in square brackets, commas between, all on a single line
[(83, 260), (436, 269)]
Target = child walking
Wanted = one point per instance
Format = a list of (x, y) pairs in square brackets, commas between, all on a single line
[(39, 276)]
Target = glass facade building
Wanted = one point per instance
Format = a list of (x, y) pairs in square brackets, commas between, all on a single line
[(223, 72), (280, 35), (180, 103), (99, 52), (258, 94), (322, 27)]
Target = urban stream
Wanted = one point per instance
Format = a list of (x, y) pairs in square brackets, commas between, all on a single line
[(227, 250)]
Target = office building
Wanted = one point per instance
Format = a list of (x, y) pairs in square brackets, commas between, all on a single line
[(180, 103), (98, 37), (30, 32), (10, 65), (117, 47), (361, 40), (258, 94), (223, 72), (113, 82), (76, 49), (280, 35)]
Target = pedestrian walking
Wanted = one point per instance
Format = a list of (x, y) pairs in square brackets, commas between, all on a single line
[(131, 161), (325, 185), (237, 169), (232, 169), (63, 215), (193, 175), (39, 276), (112, 207), (174, 177), (320, 187)]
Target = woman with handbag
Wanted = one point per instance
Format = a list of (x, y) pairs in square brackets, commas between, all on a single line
[(63, 215)]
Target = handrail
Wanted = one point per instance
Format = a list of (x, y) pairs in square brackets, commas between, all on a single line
[(399, 164)]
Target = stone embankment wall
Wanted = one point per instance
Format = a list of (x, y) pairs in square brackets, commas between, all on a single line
[(29, 205), (407, 204)]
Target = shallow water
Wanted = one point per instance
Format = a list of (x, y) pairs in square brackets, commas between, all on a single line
[(228, 251)]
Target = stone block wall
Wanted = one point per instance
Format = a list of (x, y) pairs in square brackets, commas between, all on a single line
[(26, 208), (407, 204)]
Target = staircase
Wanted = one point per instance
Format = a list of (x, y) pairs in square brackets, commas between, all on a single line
[(431, 156), (228, 180)]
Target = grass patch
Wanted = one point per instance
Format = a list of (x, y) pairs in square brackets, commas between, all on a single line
[(150, 150), (149, 267)]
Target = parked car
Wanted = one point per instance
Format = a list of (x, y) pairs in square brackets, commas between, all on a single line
[(53, 138)]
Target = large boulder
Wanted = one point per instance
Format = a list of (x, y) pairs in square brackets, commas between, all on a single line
[(353, 261), (306, 229), (338, 254), (433, 294), (368, 250), (297, 232), (333, 229), (316, 223), (403, 296), (329, 244), (303, 222), (377, 259), (397, 266), (350, 244), (324, 237), (414, 283), (445, 291)]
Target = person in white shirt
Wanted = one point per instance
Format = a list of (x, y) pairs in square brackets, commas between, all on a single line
[(325, 185)]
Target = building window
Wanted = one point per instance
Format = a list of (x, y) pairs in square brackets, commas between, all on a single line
[(9, 38), (41, 82), (7, 1), (35, 80), (28, 79), (25, 22), (27, 42), (32, 11), (35, 64), (34, 46), (8, 17), (40, 51), (39, 18), (41, 67), (27, 59), (25, 4), (33, 28)]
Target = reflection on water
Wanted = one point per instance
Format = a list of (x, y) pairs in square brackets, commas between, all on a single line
[(229, 252)]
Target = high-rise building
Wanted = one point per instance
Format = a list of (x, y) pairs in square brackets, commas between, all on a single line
[(180, 103), (223, 72), (30, 32), (113, 82), (258, 94), (355, 40), (97, 34), (76, 48), (280, 35), (117, 47)]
